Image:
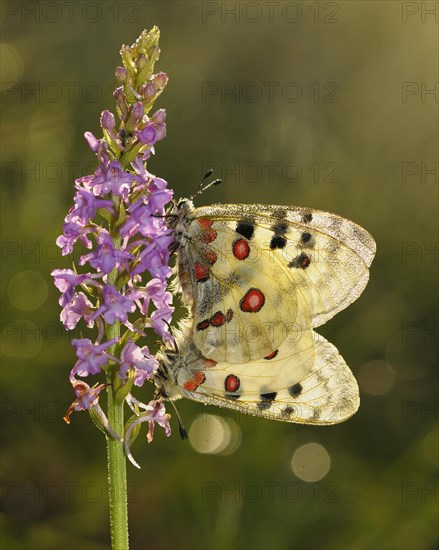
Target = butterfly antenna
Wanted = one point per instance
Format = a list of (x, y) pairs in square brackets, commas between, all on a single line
[(203, 179), (200, 189), (182, 429), (214, 182)]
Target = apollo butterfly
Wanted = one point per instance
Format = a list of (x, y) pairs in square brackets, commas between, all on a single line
[(257, 279)]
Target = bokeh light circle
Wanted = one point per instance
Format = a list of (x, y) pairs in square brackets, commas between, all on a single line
[(375, 377), (311, 462), (211, 434), (27, 290)]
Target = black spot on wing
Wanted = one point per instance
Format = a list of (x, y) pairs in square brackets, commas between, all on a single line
[(301, 261), (295, 390), (266, 400), (306, 239), (269, 396), (287, 411), (307, 218), (246, 229), (277, 241), (280, 228)]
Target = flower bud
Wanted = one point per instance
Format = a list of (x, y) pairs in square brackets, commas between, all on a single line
[(120, 99), (159, 116), (107, 120), (154, 52), (92, 141), (121, 74), (148, 90), (161, 131), (141, 61), (137, 111), (160, 80), (127, 56)]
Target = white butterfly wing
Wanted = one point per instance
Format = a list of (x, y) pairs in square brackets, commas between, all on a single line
[(243, 308), (254, 273), (306, 382), (339, 250)]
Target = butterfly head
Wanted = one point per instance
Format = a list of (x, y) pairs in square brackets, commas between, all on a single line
[(184, 204), (183, 207), (179, 212)]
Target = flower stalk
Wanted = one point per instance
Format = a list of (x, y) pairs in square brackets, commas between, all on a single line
[(117, 472)]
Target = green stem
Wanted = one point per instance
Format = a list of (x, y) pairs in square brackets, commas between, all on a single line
[(117, 474)]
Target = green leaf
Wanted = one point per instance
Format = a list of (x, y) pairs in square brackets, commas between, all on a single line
[(122, 216), (105, 214)]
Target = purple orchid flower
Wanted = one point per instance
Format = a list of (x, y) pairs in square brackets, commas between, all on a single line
[(154, 413), (72, 231), (79, 307), (111, 178), (160, 319), (65, 281), (106, 257), (158, 293), (86, 397), (86, 205), (91, 357), (140, 360), (154, 258), (116, 306), (148, 135)]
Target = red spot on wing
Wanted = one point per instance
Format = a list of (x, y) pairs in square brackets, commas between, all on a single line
[(305, 262), (198, 378), (241, 249), (208, 363), (232, 383), (203, 325), (208, 236), (210, 256), (252, 301), (272, 355), (204, 223), (201, 272), (218, 319)]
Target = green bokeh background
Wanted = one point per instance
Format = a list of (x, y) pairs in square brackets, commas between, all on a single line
[(360, 156)]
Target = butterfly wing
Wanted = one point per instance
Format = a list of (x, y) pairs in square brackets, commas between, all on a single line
[(307, 382), (243, 301), (254, 273)]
